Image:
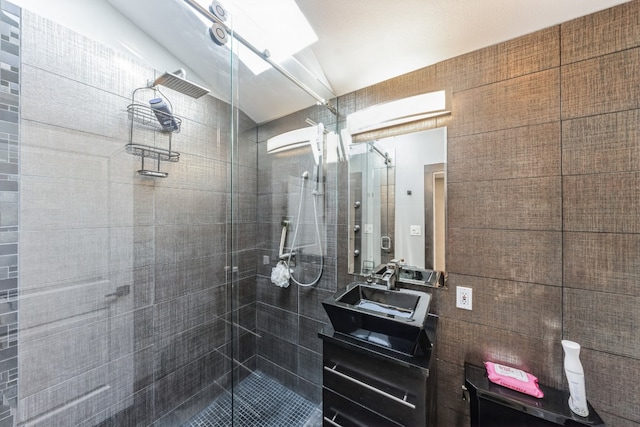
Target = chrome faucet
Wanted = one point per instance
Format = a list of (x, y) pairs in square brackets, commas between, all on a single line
[(390, 275)]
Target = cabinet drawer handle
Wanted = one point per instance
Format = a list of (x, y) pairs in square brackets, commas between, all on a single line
[(330, 421), (368, 387)]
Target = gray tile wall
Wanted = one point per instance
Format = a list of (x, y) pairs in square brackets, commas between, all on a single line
[(600, 204), (10, 35), (288, 319), (542, 207), (89, 224)]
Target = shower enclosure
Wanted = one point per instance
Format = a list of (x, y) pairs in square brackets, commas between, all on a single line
[(142, 293)]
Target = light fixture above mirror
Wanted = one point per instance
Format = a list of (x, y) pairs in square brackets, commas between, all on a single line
[(413, 108)]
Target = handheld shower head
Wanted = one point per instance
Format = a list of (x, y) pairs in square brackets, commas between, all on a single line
[(316, 145), (305, 175)]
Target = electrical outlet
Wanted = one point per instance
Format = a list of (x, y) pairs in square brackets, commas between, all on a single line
[(368, 229), (464, 297), (415, 230), (265, 259)]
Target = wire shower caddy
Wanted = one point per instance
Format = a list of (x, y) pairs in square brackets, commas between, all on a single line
[(150, 118)]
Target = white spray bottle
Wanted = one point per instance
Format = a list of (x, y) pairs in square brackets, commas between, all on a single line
[(575, 377)]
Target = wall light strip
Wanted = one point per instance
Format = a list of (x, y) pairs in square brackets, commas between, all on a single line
[(404, 110)]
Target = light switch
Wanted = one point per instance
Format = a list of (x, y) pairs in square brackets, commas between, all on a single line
[(415, 230)]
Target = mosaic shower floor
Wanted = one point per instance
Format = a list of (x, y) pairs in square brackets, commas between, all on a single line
[(259, 401)]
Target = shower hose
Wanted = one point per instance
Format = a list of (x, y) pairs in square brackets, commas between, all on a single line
[(295, 234)]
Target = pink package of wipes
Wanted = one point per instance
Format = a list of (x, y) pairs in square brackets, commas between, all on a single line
[(514, 379)]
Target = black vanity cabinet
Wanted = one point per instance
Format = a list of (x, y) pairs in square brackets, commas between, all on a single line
[(368, 385)]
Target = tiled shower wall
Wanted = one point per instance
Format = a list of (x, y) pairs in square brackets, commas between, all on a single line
[(288, 319), (9, 196), (124, 294), (543, 223)]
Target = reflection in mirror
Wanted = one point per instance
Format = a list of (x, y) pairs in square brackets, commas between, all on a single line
[(370, 170), (397, 200)]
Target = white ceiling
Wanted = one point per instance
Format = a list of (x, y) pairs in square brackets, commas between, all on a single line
[(361, 42)]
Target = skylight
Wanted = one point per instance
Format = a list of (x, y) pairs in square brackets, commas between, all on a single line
[(274, 25)]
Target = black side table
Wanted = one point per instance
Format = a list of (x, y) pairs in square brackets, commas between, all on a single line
[(492, 405)]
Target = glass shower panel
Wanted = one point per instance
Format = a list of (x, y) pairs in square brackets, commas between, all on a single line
[(296, 200), (242, 242), (86, 236), (125, 277), (145, 298), (272, 356)]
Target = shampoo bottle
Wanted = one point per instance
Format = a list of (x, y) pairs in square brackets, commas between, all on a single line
[(163, 114), (575, 377)]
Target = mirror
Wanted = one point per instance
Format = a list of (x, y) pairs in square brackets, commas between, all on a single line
[(397, 201)]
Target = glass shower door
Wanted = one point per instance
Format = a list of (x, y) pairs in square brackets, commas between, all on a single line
[(241, 243), (274, 357)]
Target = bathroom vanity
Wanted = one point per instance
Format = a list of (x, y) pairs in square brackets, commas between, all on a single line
[(367, 385), (378, 357)]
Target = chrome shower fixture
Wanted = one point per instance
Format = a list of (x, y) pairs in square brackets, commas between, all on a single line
[(218, 31), (218, 10), (218, 34), (178, 82)]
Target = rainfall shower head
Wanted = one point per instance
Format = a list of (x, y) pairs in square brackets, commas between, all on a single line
[(177, 81)]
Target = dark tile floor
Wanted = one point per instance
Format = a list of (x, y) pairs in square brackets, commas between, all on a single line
[(259, 401)]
